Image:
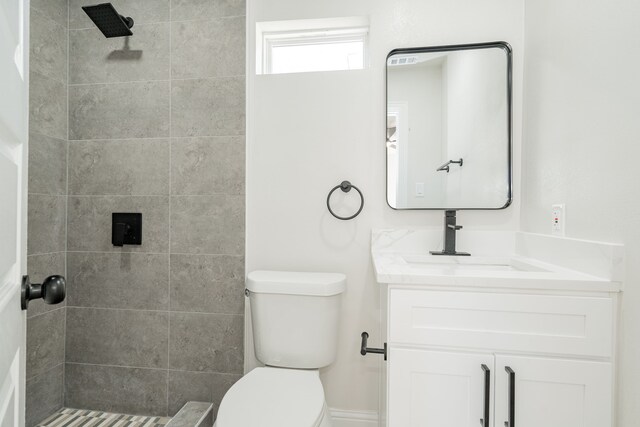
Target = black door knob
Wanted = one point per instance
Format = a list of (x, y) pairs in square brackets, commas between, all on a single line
[(52, 290)]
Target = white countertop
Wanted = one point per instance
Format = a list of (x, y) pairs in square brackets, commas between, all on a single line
[(397, 260)]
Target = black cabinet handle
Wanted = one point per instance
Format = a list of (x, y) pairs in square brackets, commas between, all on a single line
[(487, 395), (512, 397), (52, 290)]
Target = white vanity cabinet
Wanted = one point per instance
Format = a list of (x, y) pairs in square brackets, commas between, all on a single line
[(437, 388), (499, 358), (553, 392)]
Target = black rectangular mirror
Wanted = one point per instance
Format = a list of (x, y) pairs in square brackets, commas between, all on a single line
[(448, 118)]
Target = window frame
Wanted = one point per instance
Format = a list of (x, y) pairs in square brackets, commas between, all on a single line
[(307, 37)]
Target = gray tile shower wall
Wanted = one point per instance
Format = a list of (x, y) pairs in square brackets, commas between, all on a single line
[(156, 125), (47, 188), (143, 11), (44, 394)]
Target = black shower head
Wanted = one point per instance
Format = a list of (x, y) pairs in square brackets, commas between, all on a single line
[(108, 20)]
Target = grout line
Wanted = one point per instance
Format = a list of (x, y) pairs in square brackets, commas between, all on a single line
[(46, 253), (66, 211), (215, 18), (64, 378), (33, 132), (157, 196), (153, 253), (170, 21), (168, 311), (142, 195), (158, 138), (51, 311), (124, 82), (152, 369), (47, 371), (117, 366), (205, 372), (170, 191), (48, 195)]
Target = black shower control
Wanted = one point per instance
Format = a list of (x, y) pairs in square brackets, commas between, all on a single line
[(126, 229)]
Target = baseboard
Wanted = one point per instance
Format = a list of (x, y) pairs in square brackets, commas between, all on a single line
[(343, 418)]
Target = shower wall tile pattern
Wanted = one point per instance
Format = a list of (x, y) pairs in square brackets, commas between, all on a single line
[(220, 38), (120, 167), (89, 220), (121, 65), (118, 110), (156, 125), (44, 394), (47, 204), (208, 107)]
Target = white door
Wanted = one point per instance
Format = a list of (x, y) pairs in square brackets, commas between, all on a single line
[(553, 392), (14, 43), (439, 389)]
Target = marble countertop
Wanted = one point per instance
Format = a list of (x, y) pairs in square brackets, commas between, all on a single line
[(401, 257)]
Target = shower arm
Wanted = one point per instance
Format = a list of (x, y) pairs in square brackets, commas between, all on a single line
[(127, 20)]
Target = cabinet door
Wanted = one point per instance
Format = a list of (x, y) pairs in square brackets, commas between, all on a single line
[(534, 392), (439, 389)]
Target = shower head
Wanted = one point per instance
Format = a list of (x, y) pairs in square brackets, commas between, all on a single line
[(108, 20)]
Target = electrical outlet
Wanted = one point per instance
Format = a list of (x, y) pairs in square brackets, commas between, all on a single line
[(419, 189), (557, 220)]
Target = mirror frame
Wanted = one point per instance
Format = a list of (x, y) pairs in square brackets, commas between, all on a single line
[(448, 48)]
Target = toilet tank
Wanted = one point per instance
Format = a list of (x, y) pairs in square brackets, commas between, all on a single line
[(295, 317)]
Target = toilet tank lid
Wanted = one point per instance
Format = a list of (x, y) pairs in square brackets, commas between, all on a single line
[(296, 283)]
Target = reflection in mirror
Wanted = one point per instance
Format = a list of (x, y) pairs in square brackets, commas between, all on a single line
[(449, 127)]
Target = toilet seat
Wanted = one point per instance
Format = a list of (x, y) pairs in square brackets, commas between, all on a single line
[(274, 397)]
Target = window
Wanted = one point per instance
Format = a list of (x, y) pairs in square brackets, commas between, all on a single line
[(313, 49)]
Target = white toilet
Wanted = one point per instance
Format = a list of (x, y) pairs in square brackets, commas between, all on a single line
[(295, 320)]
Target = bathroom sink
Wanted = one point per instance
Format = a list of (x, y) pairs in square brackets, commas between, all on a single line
[(468, 263), (403, 257)]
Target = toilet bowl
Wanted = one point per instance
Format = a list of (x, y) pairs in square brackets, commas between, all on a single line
[(295, 318), (275, 397)]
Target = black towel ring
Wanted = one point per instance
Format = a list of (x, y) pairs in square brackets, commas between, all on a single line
[(345, 186)]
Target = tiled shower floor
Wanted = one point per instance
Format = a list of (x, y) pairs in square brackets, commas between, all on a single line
[(67, 417)]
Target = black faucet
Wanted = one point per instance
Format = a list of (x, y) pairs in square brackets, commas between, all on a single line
[(450, 229)]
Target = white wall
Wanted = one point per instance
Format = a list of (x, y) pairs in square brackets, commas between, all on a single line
[(307, 132), (582, 145)]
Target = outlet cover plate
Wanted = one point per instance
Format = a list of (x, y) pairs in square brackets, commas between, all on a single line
[(557, 219)]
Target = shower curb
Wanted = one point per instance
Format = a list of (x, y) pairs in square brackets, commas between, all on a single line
[(193, 414)]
